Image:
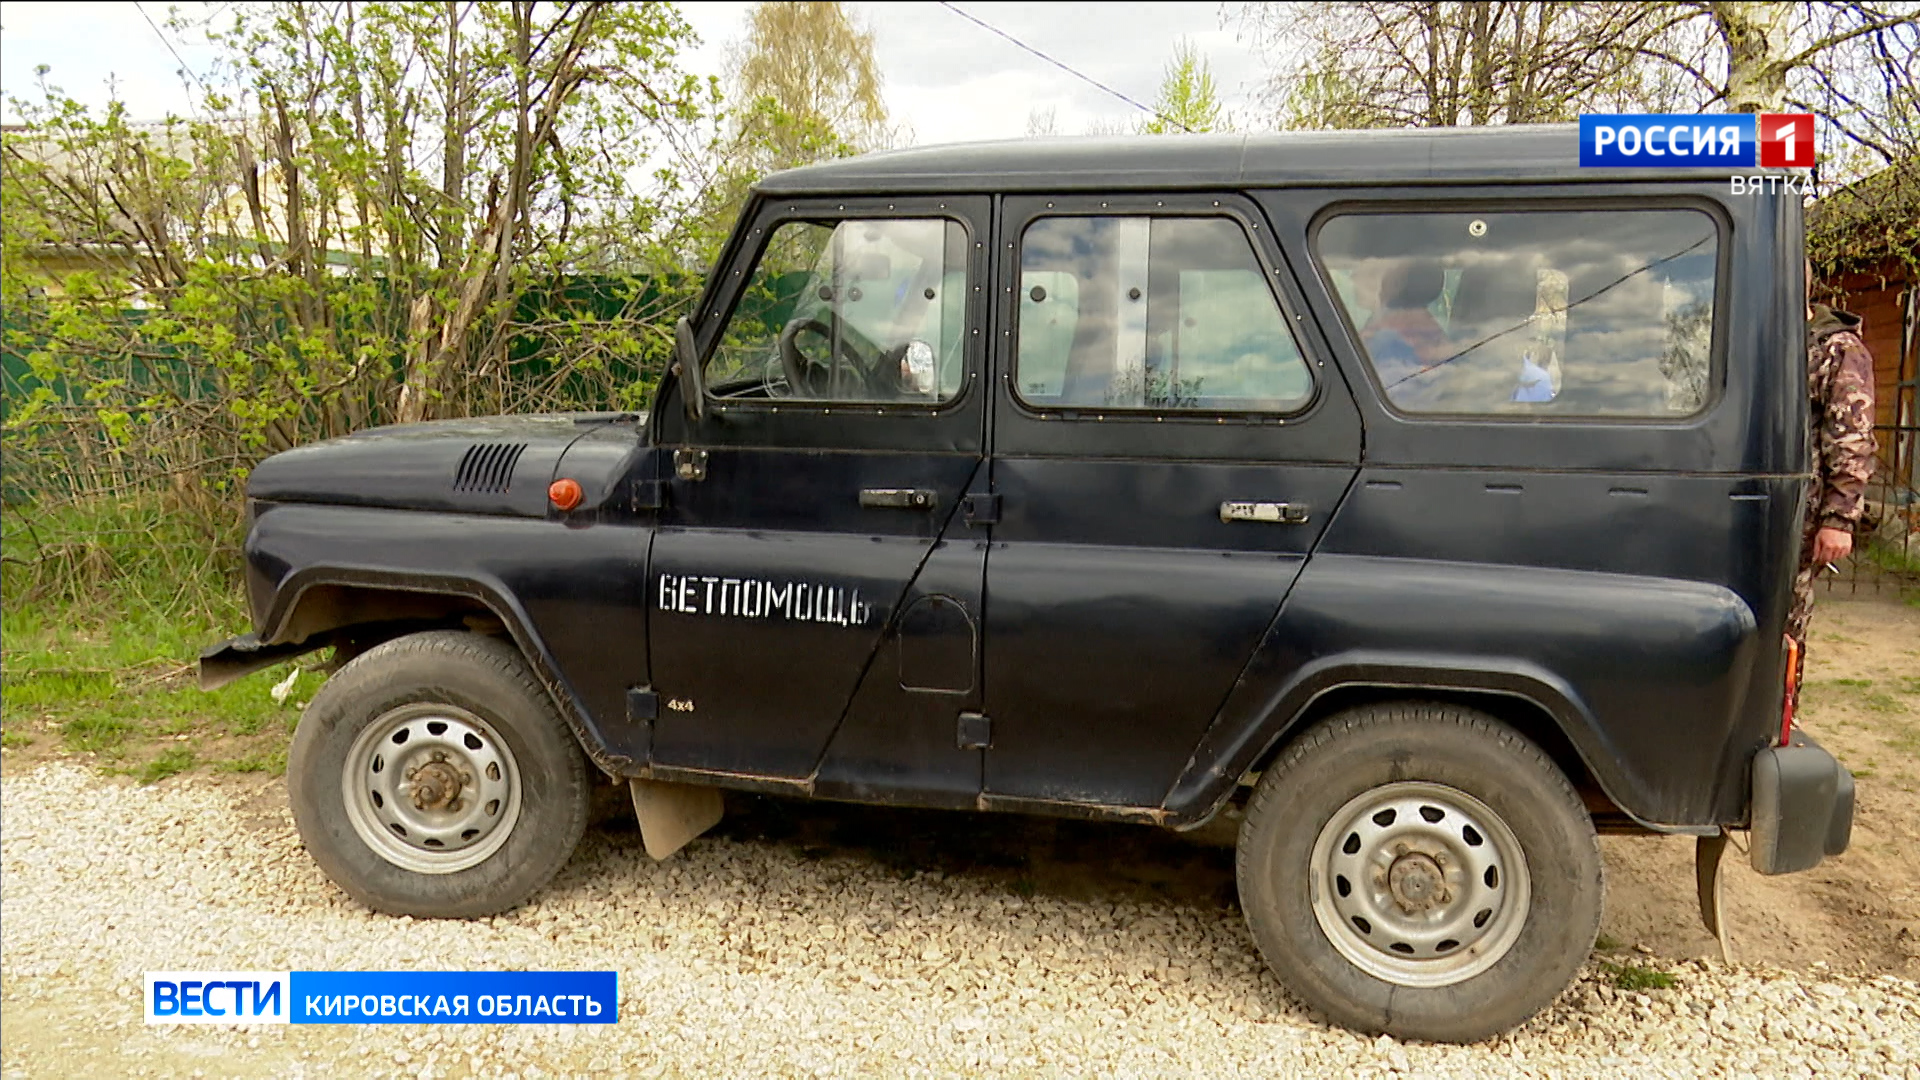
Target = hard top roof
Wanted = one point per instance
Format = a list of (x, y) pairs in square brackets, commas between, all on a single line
[(1489, 154)]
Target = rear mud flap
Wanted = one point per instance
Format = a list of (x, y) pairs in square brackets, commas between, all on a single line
[(1707, 854)]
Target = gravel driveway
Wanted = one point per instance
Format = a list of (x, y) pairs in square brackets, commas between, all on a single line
[(749, 956)]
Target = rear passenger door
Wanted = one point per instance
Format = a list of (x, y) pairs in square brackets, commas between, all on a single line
[(1167, 447)]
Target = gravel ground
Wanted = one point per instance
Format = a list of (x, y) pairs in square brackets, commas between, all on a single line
[(744, 957)]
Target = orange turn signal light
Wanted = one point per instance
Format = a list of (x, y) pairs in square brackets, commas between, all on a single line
[(565, 493), (1792, 694)]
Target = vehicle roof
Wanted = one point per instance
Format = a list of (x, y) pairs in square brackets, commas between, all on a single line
[(1532, 153)]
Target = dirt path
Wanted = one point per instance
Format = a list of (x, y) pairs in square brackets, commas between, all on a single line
[(1858, 913)]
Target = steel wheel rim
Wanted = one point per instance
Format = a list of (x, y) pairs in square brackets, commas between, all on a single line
[(431, 788), (1419, 884)]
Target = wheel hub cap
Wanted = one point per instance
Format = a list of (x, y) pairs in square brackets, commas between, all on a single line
[(1419, 884)]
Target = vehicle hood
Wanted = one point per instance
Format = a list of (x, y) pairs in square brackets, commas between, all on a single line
[(486, 465)]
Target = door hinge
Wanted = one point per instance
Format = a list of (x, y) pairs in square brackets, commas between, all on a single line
[(975, 732), (642, 704), (982, 509), (643, 711), (690, 464)]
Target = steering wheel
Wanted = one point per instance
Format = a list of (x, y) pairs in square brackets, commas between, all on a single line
[(793, 364)]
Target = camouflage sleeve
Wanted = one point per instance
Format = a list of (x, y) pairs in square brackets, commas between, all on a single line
[(1846, 445)]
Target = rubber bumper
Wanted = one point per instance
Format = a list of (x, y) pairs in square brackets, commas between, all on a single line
[(1802, 807)]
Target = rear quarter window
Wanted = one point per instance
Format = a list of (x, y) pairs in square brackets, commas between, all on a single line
[(1537, 313)]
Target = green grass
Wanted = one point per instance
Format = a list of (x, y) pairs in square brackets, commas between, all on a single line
[(1907, 740), (1861, 693), (1607, 943), (266, 761), (104, 610), (1632, 976), (1891, 557), (168, 762), (99, 684)]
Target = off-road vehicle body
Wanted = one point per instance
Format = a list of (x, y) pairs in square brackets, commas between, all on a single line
[(1434, 497)]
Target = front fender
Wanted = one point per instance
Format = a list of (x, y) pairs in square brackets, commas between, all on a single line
[(570, 595)]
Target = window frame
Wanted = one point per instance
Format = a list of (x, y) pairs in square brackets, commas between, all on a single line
[(714, 320), (1228, 207), (1722, 299)]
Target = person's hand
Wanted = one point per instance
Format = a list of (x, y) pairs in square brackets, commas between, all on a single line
[(1831, 545)]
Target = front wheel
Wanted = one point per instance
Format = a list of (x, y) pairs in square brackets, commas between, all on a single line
[(1421, 870), (431, 776)]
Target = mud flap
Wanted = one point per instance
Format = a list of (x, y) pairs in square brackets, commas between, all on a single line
[(1707, 853), (673, 814)]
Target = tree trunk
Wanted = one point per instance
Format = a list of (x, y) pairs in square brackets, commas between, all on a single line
[(1759, 42), (1480, 31), (453, 178)]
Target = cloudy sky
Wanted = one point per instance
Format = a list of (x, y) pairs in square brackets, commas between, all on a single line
[(947, 79)]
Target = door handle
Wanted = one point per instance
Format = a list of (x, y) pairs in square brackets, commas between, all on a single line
[(896, 498), (1277, 513)]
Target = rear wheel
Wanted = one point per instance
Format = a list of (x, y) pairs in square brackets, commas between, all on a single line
[(431, 776), (1422, 870)]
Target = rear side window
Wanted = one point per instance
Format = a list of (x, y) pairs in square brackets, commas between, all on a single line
[(1579, 313), (1158, 313)]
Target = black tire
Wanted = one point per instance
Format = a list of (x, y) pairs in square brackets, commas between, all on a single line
[(488, 690), (1407, 751)]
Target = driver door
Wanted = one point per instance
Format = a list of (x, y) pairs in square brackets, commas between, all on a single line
[(843, 425)]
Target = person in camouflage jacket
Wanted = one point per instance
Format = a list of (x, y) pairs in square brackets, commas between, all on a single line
[(1840, 385)]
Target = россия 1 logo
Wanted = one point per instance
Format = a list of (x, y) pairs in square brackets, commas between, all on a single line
[(1735, 140)]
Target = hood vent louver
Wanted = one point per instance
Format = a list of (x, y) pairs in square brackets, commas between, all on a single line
[(487, 467)]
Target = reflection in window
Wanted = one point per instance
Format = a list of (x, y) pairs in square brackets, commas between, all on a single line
[(1580, 313), (1151, 313), (863, 310)]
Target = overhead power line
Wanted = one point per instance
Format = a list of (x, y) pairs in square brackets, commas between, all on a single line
[(176, 53), (1089, 80)]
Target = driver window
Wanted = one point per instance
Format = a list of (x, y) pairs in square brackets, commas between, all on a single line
[(853, 311)]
